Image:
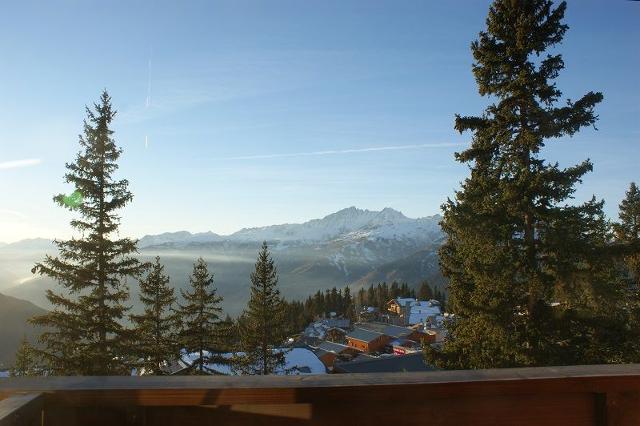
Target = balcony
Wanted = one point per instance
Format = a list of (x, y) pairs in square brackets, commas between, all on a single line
[(572, 395)]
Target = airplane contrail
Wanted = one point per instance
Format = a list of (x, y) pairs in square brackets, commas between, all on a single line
[(20, 163), (346, 151)]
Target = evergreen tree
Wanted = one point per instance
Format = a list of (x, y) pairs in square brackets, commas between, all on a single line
[(328, 303), (84, 330), (362, 298), (395, 290), (627, 232), (263, 332), (405, 291), (25, 363), (538, 298), (371, 296), (348, 305), (425, 292), (155, 331), (203, 333)]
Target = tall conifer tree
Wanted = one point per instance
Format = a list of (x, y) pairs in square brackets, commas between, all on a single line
[(425, 292), (627, 232), (263, 326), (84, 330), (203, 332), (25, 362), (155, 331), (348, 308), (529, 280)]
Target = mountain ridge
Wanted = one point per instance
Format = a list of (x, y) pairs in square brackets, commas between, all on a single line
[(343, 222)]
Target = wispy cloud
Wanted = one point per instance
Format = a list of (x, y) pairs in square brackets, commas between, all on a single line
[(19, 163), (346, 151), (12, 213)]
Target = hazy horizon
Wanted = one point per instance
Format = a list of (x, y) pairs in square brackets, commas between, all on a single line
[(236, 115), (169, 231)]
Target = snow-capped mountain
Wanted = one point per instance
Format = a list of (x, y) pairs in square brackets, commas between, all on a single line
[(180, 237), (349, 224)]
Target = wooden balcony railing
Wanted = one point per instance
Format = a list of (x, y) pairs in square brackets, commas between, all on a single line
[(573, 395)]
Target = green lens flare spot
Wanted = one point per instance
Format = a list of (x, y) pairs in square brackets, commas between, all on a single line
[(74, 200)]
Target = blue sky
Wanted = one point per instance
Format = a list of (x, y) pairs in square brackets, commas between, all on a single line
[(225, 92)]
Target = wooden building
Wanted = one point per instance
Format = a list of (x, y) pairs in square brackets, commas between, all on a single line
[(367, 340), (396, 306), (328, 352), (335, 334)]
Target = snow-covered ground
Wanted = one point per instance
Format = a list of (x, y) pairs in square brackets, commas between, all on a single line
[(299, 361)]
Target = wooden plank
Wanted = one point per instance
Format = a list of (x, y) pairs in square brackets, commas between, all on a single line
[(570, 409), (618, 409), (603, 395), (174, 394), (22, 409), (605, 372), (94, 416), (365, 388)]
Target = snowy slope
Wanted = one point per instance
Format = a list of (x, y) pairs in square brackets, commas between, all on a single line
[(350, 223), (179, 238)]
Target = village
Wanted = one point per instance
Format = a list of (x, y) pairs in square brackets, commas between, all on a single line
[(390, 340), (387, 340)]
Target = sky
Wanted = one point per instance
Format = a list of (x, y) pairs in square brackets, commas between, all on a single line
[(246, 113)]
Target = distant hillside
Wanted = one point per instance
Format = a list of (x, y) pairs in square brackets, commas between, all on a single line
[(422, 265), (14, 314)]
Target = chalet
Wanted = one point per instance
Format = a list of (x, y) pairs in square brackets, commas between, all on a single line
[(316, 331), (408, 311), (335, 334), (366, 340), (423, 312), (328, 352), (417, 334), (404, 346), (393, 331), (396, 306)]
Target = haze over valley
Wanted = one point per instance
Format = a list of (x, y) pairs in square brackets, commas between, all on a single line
[(350, 247)]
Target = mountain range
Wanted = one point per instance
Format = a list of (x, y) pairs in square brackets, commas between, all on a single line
[(350, 247)]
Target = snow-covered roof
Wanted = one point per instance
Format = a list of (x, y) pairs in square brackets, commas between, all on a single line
[(298, 361), (404, 301), (319, 328), (416, 304), (386, 329), (420, 314), (333, 347), (363, 335)]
